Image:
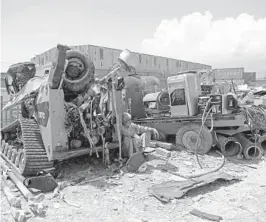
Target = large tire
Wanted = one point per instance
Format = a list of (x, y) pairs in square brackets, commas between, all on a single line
[(187, 134), (86, 76)]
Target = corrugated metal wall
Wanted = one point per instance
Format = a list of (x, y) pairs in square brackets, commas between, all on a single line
[(228, 73), (229, 82), (249, 77), (103, 58)]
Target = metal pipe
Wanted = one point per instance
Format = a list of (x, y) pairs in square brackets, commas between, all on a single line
[(11, 198), (110, 74), (33, 201), (24, 190), (14, 202), (228, 145), (251, 151), (262, 142), (118, 124), (15, 169)]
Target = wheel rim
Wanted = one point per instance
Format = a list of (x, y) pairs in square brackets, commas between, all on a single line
[(189, 140), (22, 162)]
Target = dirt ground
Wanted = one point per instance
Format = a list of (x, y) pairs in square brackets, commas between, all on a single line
[(126, 197)]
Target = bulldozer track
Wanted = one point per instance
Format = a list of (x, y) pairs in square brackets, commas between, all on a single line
[(32, 158)]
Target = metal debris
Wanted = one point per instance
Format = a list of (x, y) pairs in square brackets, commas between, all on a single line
[(176, 189), (203, 215)]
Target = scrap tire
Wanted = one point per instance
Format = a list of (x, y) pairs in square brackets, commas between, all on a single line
[(187, 134), (87, 75)]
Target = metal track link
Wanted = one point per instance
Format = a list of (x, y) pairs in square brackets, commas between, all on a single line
[(32, 158), (34, 150)]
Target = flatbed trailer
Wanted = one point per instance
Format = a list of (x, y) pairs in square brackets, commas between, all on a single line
[(187, 129), (170, 125)]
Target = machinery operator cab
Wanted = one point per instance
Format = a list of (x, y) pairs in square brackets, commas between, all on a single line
[(184, 91)]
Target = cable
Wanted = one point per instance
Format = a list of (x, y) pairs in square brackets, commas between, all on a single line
[(212, 122), (202, 118), (256, 124), (211, 171), (203, 122)]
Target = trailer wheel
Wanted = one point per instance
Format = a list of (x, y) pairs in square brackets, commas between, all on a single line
[(78, 76), (187, 134)]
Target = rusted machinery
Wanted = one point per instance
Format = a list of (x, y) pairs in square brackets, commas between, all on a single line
[(136, 87), (157, 104), (65, 114), (199, 121)]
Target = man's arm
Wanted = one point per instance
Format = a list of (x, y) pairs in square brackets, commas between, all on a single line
[(142, 129)]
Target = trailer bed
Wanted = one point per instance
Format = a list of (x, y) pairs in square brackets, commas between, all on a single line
[(170, 125)]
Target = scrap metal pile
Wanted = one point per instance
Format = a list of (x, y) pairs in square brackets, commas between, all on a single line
[(84, 106), (70, 113), (64, 115), (86, 123), (251, 142)]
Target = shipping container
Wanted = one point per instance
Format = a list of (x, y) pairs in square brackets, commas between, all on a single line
[(249, 77), (228, 73), (229, 81)]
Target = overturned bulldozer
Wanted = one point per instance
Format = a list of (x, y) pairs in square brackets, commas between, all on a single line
[(65, 114)]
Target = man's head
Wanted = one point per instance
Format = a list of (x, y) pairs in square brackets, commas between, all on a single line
[(126, 119)]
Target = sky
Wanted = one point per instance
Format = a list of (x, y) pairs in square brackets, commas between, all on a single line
[(222, 33)]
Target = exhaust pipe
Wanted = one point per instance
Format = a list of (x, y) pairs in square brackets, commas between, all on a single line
[(262, 142), (229, 145), (251, 151)]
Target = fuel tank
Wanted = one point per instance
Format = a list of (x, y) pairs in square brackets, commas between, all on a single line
[(150, 84), (136, 87)]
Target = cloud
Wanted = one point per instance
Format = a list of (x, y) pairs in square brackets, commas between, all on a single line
[(197, 37)]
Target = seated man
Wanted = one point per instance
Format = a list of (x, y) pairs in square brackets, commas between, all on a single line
[(135, 137)]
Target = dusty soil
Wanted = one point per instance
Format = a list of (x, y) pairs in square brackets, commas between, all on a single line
[(126, 197)]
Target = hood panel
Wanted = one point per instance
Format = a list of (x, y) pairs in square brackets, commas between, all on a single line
[(31, 86)]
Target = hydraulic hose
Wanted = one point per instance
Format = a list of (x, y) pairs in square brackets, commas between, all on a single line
[(203, 122)]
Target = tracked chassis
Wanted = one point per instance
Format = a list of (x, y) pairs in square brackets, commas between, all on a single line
[(22, 144)]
